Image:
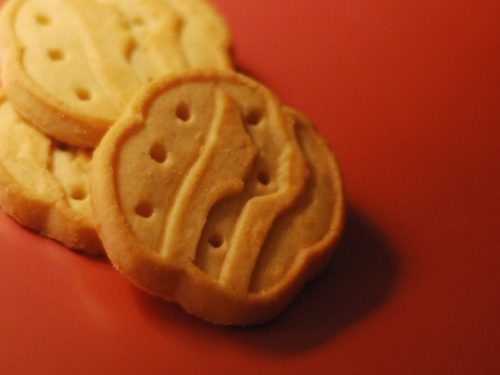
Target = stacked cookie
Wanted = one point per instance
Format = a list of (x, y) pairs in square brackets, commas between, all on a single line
[(69, 69), (205, 190)]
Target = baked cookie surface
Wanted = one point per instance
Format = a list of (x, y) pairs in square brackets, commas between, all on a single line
[(44, 186), (70, 66), (209, 193)]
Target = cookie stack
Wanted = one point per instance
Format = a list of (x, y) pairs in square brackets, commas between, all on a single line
[(125, 131)]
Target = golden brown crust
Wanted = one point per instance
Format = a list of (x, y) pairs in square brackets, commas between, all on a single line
[(51, 219), (35, 180), (165, 245), (73, 88)]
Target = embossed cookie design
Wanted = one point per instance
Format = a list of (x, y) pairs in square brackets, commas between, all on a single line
[(210, 194), (70, 66), (44, 186)]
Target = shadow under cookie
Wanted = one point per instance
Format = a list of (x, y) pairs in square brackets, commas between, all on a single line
[(360, 278)]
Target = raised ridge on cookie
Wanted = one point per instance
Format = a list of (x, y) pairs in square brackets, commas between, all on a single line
[(70, 66), (43, 185), (209, 193)]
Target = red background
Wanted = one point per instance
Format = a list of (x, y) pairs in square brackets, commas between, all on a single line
[(408, 95)]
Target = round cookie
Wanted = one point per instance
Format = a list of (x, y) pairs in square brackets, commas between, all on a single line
[(44, 186), (210, 194), (70, 66)]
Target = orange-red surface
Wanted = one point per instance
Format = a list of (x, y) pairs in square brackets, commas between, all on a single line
[(408, 94)]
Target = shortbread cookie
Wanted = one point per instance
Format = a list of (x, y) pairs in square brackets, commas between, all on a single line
[(70, 66), (44, 186), (209, 194)]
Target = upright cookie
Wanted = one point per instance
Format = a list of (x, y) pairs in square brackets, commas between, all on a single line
[(209, 194), (70, 66), (44, 186)]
